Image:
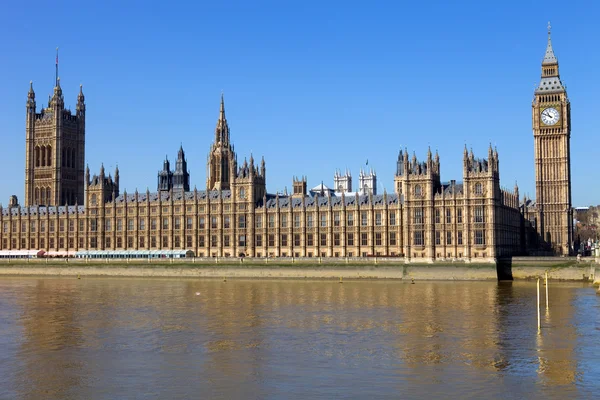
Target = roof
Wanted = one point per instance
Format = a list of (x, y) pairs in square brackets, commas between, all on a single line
[(550, 85), (43, 210), (326, 201), (549, 57)]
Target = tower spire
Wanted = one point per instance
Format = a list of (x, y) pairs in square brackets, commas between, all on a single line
[(549, 57)]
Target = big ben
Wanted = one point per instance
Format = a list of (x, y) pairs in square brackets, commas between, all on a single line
[(552, 133)]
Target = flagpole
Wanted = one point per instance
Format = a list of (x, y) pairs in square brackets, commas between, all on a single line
[(56, 76)]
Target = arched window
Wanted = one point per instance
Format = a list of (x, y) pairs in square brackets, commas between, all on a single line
[(36, 155), (49, 156), (478, 188), (36, 199), (48, 197), (43, 160)]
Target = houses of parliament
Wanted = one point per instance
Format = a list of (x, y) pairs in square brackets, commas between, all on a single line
[(67, 209)]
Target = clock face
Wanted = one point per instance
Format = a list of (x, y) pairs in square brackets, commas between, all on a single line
[(550, 116)]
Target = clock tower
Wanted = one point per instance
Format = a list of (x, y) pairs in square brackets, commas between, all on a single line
[(551, 113)]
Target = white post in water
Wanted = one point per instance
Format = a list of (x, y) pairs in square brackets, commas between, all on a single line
[(546, 277), (538, 305)]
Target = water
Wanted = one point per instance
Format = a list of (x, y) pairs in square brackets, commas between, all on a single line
[(172, 339)]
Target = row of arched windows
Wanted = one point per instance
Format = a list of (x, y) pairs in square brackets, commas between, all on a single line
[(43, 156), (42, 196), (68, 158)]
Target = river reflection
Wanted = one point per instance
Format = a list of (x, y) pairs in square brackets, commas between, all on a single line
[(167, 338)]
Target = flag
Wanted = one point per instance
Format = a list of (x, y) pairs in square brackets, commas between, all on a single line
[(367, 162)]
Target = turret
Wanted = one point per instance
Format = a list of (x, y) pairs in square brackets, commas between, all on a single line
[(80, 108), (31, 99), (117, 177)]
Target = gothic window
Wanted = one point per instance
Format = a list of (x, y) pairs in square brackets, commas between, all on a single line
[(350, 218), (309, 240), (438, 238), (259, 221), (323, 219), (201, 241), (213, 241), (479, 238), (189, 223), (459, 216), (323, 239), (93, 201), (37, 196), (177, 242), (165, 223), (392, 218), (309, 221), (258, 240), (364, 240), (448, 216), (271, 221), (213, 222), (119, 225), (378, 219), (142, 242), (226, 241), (479, 218), (418, 215), (350, 239), (48, 162), (130, 242), (201, 223), (226, 222), (271, 240), (130, 224), (242, 241), (142, 224), (336, 239), (242, 221), (392, 238), (165, 242), (284, 240), (296, 240), (418, 238), (43, 156), (284, 221), (37, 156), (378, 239), (437, 215), (418, 190), (448, 238), (242, 193), (107, 225), (363, 218), (296, 220), (478, 189), (177, 223)]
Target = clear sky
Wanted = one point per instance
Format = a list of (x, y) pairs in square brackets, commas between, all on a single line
[(310, 85)]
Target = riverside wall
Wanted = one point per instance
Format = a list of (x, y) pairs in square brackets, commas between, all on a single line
[(524, 268)]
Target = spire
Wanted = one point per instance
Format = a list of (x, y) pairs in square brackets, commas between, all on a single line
[(31, 93), (549, 57), (80, 96), (102, 171), (222, 129)]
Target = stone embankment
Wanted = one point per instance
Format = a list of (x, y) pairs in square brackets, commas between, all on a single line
[(521, 268)]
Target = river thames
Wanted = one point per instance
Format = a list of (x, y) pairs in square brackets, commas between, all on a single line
[(103, 338)]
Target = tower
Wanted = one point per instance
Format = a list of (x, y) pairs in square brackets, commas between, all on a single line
[(221, 163), (165, 177), (551, 114), (55, 150), (181, 176), (342, 183), (367, 182)]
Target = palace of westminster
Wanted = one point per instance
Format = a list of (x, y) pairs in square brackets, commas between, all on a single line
[(425, 219)]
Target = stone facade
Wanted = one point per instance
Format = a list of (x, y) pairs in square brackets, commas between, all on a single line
[(551, 115), (424, 219), (55, 151)]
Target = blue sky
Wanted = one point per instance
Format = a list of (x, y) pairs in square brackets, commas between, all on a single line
[(312, 86)]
